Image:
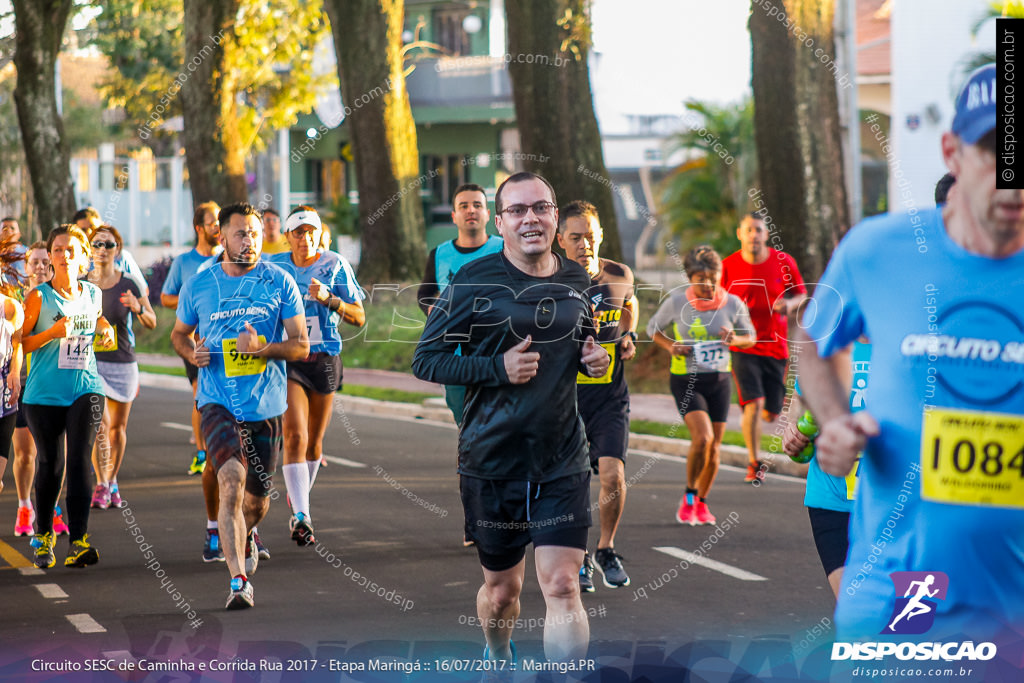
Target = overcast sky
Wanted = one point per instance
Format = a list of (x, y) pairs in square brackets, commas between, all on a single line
[(655, 54)]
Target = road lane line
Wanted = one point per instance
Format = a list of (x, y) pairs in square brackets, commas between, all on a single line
[(84, 623), (30, 571), (13, 557), (50, 590), (343, 461), (727, 569), (177, 425)]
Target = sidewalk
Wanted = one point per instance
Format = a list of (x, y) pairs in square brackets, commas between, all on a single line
[(651, 407)]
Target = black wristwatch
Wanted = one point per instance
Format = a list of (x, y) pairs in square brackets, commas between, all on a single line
[(632, 335)]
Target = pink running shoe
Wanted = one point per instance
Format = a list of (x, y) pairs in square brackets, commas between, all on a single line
[(101, 497), (687, 513), (26, 518), (59, 527), (703, 514)]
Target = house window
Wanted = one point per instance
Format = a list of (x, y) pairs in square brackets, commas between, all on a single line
[(448, 31), (442, 175)]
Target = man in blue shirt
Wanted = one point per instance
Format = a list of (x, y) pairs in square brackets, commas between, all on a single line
[(941, 479), (239, 308)]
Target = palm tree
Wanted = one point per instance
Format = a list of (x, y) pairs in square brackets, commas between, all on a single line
[(700, 199), (1010, 9)]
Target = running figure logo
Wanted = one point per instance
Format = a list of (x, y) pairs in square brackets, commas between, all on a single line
[(914, 612)]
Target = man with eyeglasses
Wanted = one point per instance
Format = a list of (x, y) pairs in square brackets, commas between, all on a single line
[(604, 401), (183, 268), (525, 329)]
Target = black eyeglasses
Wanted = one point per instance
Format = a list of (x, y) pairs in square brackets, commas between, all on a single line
[(105, 245), (519, 210)]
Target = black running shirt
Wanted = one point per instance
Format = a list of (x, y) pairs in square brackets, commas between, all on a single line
[(527, 432)]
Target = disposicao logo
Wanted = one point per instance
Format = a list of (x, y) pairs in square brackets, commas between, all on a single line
[(917, 596)]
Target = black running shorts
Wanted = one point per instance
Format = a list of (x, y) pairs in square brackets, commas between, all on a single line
[(504, 516), (319, 372), (191, 371), (760, 377), (257, 445), (607, 428), (831, 530), (710, 392)]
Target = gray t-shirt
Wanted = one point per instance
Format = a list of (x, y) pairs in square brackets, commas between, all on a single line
[(678, 319)]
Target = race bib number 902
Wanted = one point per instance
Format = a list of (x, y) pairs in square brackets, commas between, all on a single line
[(242, 364), (973, 458)]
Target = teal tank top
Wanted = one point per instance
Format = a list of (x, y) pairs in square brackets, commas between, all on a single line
[(64, 369)]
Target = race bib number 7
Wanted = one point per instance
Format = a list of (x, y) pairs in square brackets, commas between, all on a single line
[(973, 458), (74, 352), (242, 364)]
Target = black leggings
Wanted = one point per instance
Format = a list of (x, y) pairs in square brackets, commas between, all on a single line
[(48, 424), (6, 432)]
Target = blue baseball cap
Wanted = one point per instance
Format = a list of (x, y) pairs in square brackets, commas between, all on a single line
[(976, 105)]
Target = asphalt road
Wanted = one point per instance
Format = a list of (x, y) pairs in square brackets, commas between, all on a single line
[(390, 578)]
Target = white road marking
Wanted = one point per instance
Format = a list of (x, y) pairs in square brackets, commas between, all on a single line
[(84, 623), (727, 569), (50, 590), (177, 425), (30, 571), (343, 461)]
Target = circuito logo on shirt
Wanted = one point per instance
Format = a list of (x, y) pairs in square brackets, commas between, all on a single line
[(974, 350), (917, 596)]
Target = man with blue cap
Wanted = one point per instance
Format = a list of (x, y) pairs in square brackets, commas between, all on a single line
[(941, 490)]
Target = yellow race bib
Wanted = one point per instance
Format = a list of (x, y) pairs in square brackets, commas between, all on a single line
[(972, 458), (241, 364), (606, 378)]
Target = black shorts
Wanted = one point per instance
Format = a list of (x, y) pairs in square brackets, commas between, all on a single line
[(760, 377), (607, 428), (831, 530), (505, 515), (319, 372), (706, 391), (20, 421), (191, 371), (257, 445)]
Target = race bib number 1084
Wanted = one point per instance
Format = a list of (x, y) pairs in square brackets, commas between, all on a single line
[(973, 458)]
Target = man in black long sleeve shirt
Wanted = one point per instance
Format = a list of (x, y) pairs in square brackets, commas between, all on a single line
[(525, 329)]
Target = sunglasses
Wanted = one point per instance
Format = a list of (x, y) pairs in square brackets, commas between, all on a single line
[(105, 245)]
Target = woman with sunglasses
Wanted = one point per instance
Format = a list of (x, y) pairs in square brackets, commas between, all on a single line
[(64, 394), (116, 363)]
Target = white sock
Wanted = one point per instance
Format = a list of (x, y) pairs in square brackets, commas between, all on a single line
[(314, 467), (24, 503), (211, 524), (296, 478)]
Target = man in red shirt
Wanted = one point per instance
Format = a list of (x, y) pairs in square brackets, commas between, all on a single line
[(770, 285)]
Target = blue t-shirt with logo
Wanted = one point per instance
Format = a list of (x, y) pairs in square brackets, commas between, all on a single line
[(334, 271), (183, 267), (940, 489), (219, 306), (827, 491)]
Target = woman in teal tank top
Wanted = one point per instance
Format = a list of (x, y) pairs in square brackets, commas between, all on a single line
[(63, 394)]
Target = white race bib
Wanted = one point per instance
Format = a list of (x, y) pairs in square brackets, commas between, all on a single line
[(711, 356), (74, 352)]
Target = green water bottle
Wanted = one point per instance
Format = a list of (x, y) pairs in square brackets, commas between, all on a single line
[(809, 428)]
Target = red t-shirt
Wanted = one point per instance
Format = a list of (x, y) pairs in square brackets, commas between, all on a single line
[(760, 286)]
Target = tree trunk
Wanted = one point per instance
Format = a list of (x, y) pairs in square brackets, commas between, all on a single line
[(549, 41), (213, 148), (368, 40), (40, 29), (796, 117)]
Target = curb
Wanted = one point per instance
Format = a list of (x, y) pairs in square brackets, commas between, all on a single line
[(434, 410)]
